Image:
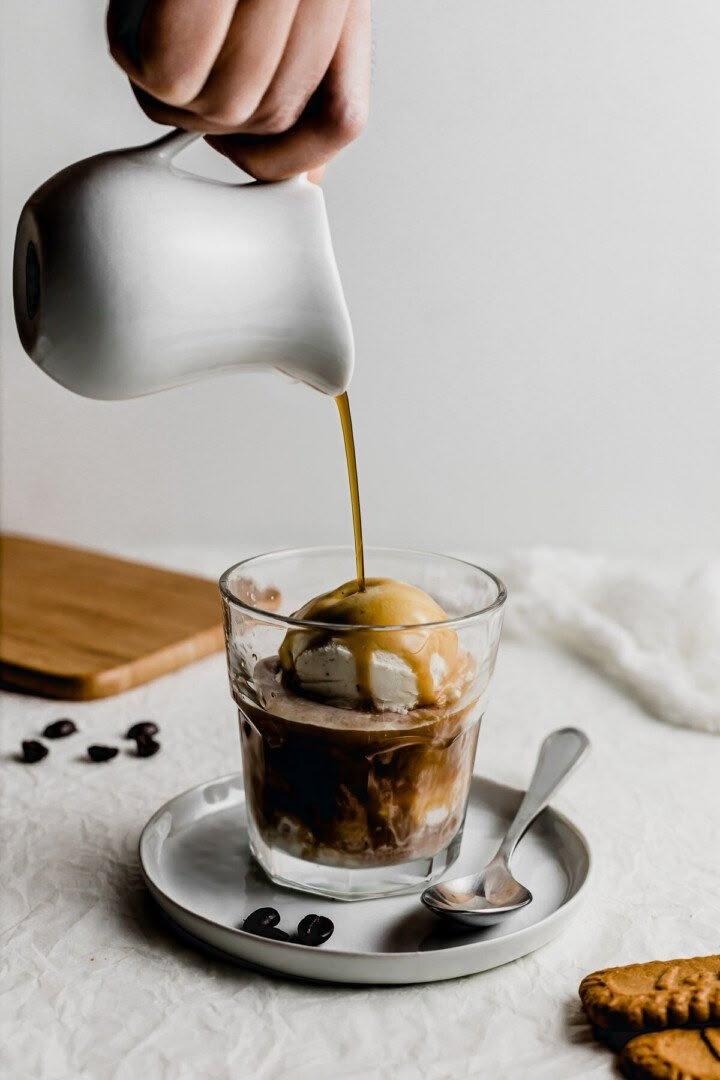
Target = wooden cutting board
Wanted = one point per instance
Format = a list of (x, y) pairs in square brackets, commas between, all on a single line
[(77, 625)]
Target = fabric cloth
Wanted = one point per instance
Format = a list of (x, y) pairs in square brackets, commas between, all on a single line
[(654, 632)]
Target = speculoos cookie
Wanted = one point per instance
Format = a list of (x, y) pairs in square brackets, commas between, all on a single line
[(678, 1054), (654, 996)]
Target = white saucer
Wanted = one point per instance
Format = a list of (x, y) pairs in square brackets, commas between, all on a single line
[(195, 859)]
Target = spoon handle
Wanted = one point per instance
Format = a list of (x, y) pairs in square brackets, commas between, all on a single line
[(560, 753)]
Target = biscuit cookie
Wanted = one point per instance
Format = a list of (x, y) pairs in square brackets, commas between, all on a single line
[(649, 997), (673, 1055)]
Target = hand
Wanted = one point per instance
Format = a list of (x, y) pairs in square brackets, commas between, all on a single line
[(278, 86)]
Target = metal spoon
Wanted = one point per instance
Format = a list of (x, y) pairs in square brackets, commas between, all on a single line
[(488, 897)]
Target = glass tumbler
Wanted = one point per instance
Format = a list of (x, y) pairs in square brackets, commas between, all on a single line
[(346, 798)]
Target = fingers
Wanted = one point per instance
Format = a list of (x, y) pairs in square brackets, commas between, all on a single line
[(247, 62), (181, 118), (310, 47), (177, 43), (335, 115), (211, 58)]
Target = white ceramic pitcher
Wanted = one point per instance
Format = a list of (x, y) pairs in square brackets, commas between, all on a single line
[(132, 275)]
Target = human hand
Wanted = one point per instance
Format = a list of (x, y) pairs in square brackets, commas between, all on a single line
[(278, 86)]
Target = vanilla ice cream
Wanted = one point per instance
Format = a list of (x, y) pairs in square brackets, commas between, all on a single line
[(351, 661)]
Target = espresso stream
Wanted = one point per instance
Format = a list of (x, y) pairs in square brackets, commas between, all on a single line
[(343, 404)]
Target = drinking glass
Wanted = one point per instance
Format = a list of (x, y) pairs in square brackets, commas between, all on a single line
[(347, 802)]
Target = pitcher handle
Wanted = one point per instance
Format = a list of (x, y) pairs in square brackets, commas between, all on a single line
[(167, 147)]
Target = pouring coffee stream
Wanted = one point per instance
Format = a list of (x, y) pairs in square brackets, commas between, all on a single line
[(343, 404)]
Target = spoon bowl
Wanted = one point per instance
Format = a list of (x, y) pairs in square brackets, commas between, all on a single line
[(490, 895)]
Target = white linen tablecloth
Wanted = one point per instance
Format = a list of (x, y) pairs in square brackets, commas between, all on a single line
[(94, 985)]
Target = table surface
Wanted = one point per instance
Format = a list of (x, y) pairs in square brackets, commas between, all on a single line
[(95, 985)]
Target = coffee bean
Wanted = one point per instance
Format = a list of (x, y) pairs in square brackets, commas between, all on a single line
[(101, 753), (263, 918), (33, 751), (146, 746), (314, 929), (59, 729), (143, 727)]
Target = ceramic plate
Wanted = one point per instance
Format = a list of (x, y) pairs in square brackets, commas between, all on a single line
[(196, 862)]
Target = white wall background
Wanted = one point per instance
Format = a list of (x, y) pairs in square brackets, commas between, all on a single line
[(529, 236)]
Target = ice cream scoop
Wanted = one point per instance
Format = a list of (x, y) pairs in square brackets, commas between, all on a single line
[(391, 650)]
